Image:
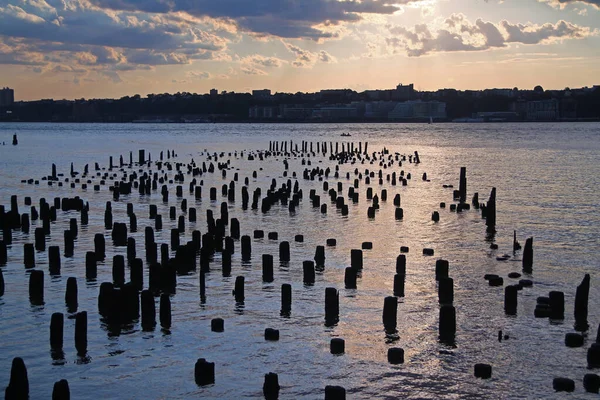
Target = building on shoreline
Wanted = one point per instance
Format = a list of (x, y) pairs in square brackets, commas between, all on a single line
[(7, 97), (401, 103), (418, 110)]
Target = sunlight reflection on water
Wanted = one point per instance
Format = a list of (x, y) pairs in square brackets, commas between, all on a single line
[(545, 174)]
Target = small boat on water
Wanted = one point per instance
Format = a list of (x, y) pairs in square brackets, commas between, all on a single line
[(345, 134)]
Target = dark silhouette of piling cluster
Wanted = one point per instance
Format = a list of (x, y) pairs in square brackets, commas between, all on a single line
[(129, 299)]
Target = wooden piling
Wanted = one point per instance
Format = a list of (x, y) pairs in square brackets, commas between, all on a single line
[(81, 332), (18, 386), (148, 310), (71, 294), (271, 386), (61, 390), (36, 287), (308, 268), (165, 311), (267, 268), (238, 291), (56, 331), (332, 306), (390, 311), (204, 372), (528, 256), (581, 304)]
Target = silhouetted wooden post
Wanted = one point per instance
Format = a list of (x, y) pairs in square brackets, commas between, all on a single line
[(462, 185), (90, 265), (528, 256), (246, 248), (204, 372), (71, 294), (81, 332), (390, 313), (54, 260), (490, 220), (350, 275), (28, 255), (335, 393), (18, 386), (510, 299), (165, 311), (332, 306), (267, 267), (61, 390), (69, 243), (238, 291), (284, 251), (36, 287), (308, 268), (356, 259), (337, 346), (271, 386), (447, 324), (557, 305), (56, 331), (441, 269), (446, 291), (581, 304), (148, 310), (286, 298), (3, 253)]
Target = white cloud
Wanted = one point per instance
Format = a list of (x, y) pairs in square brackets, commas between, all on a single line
[(458, 34)]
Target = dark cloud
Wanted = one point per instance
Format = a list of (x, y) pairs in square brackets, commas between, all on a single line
[(94, 27), (20, 59), (107, 38), (282, 18), (77, 35), (462, 35)]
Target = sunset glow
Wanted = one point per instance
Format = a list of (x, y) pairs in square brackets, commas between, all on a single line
[(112, 48)]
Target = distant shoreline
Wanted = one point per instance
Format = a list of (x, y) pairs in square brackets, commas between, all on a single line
[(421, 122)]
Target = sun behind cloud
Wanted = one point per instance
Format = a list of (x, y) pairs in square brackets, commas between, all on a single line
[(111, 48)]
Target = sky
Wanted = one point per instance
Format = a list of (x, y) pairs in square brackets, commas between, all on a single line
[(71, 49)]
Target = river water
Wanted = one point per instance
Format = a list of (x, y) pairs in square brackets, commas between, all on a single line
[(546, 177)]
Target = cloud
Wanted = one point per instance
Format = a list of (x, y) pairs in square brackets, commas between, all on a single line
[(563, 3), (198, 75), (307, 59), (263, 61), (78, 33), (280, 18), (68, 68), (112, 75), (458, 34), (534, 34), (150, 57), (326, 57), (253, 71)]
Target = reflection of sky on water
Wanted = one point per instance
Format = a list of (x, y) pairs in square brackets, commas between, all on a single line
[(545, 174)]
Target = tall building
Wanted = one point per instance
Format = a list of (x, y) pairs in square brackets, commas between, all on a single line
[(261, 94), (543, 110), (403, 92), (7, 97)]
